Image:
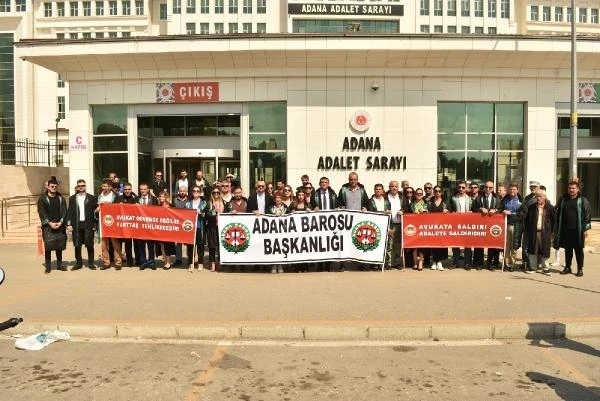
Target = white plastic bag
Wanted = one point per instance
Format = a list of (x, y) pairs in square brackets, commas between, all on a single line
[(38, 341)]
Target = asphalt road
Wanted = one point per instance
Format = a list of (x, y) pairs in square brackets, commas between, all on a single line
[(135, 370)]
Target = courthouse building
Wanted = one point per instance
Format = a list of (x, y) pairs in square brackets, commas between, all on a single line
[(428, 90)]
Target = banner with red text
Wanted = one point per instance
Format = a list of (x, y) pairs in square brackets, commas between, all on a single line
[(157, 223), (459, 230)]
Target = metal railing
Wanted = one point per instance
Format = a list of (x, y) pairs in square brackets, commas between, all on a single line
[(27, 152), (16, 202)]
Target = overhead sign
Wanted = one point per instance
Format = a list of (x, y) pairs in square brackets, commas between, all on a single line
[(187, 92), (303, 237), (345, 9), (78, 142)]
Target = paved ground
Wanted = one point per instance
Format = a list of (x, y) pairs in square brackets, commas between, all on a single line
[(453, 304)]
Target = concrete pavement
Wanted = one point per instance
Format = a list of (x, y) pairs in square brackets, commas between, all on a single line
[(394, 305)]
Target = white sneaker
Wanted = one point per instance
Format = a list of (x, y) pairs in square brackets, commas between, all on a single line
[(439, 266), (280, 269), (274, 270), (433, 266)]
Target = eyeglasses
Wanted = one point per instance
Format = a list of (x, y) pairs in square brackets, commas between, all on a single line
[(196, 190), (438, 191), (287, 190), (260, 186), (307, 188), (419, 194), (428, 188), (408, 192), (489, 187), (80, 185), (158, 175), (216, 192), (52, 186), (462, 187)]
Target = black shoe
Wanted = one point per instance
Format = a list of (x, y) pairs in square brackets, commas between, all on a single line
[(47, 270), (61, 268), (579, 273), (118, 267), (77, 267), (178, 263), (566, 270), (92, 266), (105, 267)]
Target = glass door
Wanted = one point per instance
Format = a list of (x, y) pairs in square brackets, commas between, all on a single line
[(589, 180)]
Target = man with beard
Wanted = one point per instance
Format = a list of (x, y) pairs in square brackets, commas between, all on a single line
[(130, 197), (52, 210), (82, 222), (538, 222)]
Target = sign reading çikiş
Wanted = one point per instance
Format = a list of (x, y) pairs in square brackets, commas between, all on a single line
[(345, 9), (187, 92)]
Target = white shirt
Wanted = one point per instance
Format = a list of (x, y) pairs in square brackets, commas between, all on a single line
[(105, 198), (462, 204), (379, 204), (396, 204), (81, 204), (260, 201)]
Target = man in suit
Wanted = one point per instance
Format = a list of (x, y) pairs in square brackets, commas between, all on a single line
[(81, 221), (488, 204), (146, 247), (130, 197), (259, 202), (324, 198)]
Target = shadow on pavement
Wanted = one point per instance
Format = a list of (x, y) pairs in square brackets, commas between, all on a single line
[(537, 331), (570, 287), (565, 389)]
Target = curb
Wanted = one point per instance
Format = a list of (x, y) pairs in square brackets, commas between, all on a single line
[(299, 332)]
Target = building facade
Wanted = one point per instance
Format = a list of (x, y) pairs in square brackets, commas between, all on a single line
[(422, 90)]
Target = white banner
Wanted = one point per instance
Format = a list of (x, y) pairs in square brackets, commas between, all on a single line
[(303, 237)]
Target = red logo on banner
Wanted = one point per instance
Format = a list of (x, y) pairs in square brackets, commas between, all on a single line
[(447, 230), (156, 223)]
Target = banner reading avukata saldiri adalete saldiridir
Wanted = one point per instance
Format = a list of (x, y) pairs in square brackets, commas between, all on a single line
[(303, 237), (447, 230), (157, 223)]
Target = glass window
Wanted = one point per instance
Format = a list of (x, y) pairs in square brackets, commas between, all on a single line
[(558, 14), (451, 28), (509, 142), (534, 14), (451, 117), (87, 8), (110, 143), (480, 142), (504, 8), (465, 8), (261, 6), (268, 141), (261, 27), (109, 120), (510, 117), (190, 7), (204, 27), (60, 9), (269, 166), (233, 6), (126, 34), (87, 35), (105, 163), (546, 14), (126, 6), (492, 8), (438, 7), (465, 29), (219, 27), (99, 35), (452, 8), (247, 27), (112, 7), (438, 29), (61, 107), (163, 11), (424, 28), (478, 8), (201, 125), (112, 34), (510, 168), (247, 7), (424, 7), (73, 35), (268, 117), (233, 27), (190, 28), (47, 9), (4, 6), (452, 141), (228, 125), (480, 117), (99, 8), (21, 5), (139, 7), (74, 8), (451, 168), (219, 6), (480, 165), (582, 15), (60, 35), (594, 16), (204, 7), (176, 6), (479, 29), (169, 126), (492, 30), (569, 14)]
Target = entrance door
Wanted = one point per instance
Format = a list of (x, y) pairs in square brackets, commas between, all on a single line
[(589, 180), (207, 165)]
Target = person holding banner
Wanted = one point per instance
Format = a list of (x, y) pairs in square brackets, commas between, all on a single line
[(166, 249), (437, 204), (129, 197), (146, 247), (197, 203), (108, 196), (213, 208), (393, 257), (418, 206), (278, 209), (510, 206), (379, 204), (462, 203), (179, 202), (487, 204)]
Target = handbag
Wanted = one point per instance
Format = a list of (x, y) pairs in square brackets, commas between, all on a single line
[(55, 241)]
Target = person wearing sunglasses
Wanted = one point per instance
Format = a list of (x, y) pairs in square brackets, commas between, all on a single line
[(158, 184), (259, 202), (487, 204), (309, 191), (437, 204), (196, 250), (393, 257), (427, 191), (213, 208), (82, 223), (418, 206), (287, 196), (52, 210), (461, 202)]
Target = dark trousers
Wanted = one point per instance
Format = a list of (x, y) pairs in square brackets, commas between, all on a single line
[(213, 254), (493, 257), (571, 244), (146, 251), (456, 256), (199, 249), (130, 245), (48, 257), (478, 257), (524, 254), (90, 254)]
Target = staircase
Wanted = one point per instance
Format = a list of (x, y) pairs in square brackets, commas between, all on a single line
[(19, 220)]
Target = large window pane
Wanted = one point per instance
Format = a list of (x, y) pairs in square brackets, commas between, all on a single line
[(510, 117), (451, 141), (201, 125), (228, 125), (510, 168), (105, 163), (451, 117), (169, 126), (110, 143), (268, 117), (145, 170), (480, 141), (451, 168), (109, 120), (480, 166), (144, 127), (268, 166), (510, 142), (268, 142), (480, 117)]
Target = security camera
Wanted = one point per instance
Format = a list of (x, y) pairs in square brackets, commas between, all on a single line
[(375, 85)]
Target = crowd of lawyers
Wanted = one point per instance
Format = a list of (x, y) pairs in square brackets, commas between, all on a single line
[(533, 223)]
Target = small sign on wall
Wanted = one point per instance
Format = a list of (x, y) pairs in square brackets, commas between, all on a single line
[(187, 92), (78, 142)]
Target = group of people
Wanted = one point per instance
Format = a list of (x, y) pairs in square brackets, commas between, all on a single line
[(533, 223)]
